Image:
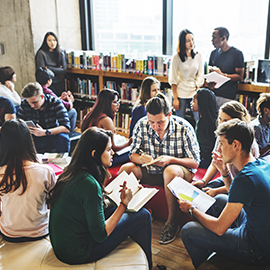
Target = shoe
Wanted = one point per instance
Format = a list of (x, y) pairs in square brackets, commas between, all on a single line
[(159, 267), (169, 233)]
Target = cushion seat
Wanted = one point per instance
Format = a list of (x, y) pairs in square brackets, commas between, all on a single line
[(39, 255)]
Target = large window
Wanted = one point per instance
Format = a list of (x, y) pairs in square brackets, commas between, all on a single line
[(246, 21), (129, 27)]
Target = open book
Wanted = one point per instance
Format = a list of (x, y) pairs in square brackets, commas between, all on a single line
[(140, 195), (186, 191)]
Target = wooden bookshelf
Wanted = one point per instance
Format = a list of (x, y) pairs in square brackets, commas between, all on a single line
[(109, 74), (253, 88)]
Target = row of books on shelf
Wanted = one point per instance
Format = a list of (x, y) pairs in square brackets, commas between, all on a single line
[(249, 103), (81, 86), (153, 65), (126, 90)]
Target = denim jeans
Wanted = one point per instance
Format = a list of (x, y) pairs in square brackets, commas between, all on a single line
[(234, 244), (183, 102), (137, 226), (59, 143), (72, 115)]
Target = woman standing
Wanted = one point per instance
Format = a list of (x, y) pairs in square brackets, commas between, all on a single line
[(79, 231), (186, 73), (7, 89), (24, 185), (102, 115), (149, 88), (50, 55)]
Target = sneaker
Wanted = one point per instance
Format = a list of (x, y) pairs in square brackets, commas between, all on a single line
[(169, 233)]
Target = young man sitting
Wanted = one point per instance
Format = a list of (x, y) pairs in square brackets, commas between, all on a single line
[(44, 78), (50, 117), (238, 227), (171, 138)]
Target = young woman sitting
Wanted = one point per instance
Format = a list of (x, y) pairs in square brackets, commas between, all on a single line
[(102, 115), (79, 230), (24, 185)]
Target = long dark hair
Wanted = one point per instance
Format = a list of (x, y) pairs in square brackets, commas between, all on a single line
[(102, 105), (16, 146), (144, 94), (92, 139), (181, 48), (44, 47)]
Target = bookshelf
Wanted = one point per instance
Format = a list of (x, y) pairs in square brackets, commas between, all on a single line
[(248, 94), (99, 79)]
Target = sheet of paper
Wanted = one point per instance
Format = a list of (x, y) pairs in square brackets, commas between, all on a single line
[(184, 190), (152, 162), (124, 150), (215, 77)]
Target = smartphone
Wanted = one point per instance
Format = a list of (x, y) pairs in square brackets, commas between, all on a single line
[(30, 123)]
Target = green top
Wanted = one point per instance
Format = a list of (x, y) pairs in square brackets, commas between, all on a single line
[(77, 219)]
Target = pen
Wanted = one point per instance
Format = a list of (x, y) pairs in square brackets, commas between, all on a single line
[(141, 152)]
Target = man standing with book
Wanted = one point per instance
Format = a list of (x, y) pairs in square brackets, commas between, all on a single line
[(170, 143), (238, 227), (228, 61)]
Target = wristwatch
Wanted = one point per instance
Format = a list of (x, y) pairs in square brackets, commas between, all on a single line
[(190, 210), (48, 133)]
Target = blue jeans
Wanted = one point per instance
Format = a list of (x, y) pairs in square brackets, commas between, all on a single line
[(183, 102), (59, 143), (72, 115), (234, 244), (137, 226)]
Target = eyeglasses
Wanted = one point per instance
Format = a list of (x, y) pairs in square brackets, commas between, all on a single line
[(116, 101)]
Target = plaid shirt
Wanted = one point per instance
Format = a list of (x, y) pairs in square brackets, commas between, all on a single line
[(55, 114), (179, 141)]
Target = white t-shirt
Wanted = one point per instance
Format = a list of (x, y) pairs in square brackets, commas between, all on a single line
[(27, 215), (12, 96), (188, 75)]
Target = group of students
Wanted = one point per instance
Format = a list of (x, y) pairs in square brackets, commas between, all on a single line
[(85, 227)]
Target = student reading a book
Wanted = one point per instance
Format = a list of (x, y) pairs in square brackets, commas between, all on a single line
[(261, 123), (7, 89), (24, 185), (228, 61), (204, 102), (186, 73), (149, 88), (229, 110), (238, 227), (171, 144), (82, 229), (51, 56), (44, 77), (102, 115)]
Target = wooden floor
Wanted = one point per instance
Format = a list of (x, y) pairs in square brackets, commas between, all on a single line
[(174, 255)]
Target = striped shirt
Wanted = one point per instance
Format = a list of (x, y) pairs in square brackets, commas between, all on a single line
[(179, 141), (54, 113)]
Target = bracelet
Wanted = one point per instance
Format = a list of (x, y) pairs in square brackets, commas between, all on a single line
[(226, 175), (123, 204), (203, 181)]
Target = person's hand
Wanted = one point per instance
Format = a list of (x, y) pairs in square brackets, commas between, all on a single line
[(37, 131), (63, 96), (10, 85), (145, 158), (164, 161), (130, 140), (126, 193), (210, 191), (218, 163), (176, 104), (198, 184), (184, 205), (70, 98), (211, 85)]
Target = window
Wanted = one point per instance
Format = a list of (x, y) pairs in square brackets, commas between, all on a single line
[(129, 27), (246, 21)]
